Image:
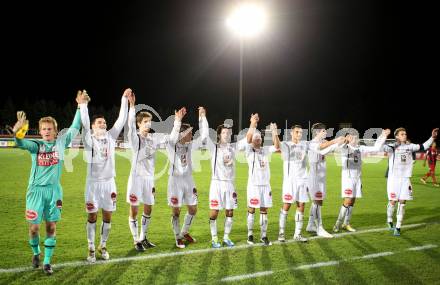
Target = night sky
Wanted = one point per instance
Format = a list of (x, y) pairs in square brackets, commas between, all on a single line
[(329, 61)]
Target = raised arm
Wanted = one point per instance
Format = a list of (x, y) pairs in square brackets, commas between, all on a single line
[(85, 121), (133, 138), (204, 129), (178, 116), (427, 144), (337, 141), (253, 126), (122, 118), (378, 145), (275, 137), (66, 138), (327, 147), (19, 130)]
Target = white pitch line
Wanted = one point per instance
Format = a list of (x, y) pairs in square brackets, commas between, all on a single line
[(247, 276), (316, 265), (194, 251), (322, 264), (423, 247), (374, 255)]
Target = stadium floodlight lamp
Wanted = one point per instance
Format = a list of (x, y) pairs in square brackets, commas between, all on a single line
[(247, 20)]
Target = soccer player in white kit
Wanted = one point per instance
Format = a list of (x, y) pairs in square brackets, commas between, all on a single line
[(317, 176), (100, 192), (400, 161), (140, 187), (351, 158), (181, 187), (259, 193), (222, 194), (295, 183)]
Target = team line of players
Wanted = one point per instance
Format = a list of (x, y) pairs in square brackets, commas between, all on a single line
[(302, 181)]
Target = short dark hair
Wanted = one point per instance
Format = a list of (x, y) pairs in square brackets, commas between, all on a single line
[(220, 128), (318, 126), (296, 127), (184, 127), (97, 116), (141, 115)]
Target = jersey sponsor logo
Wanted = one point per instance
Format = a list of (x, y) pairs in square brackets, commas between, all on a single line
[(133, 198), (318, 194), (113, 196), (90, 206), (393, 195), (59, 204), (149, 149), (47, 158), (174, 200), (214, 203), (228, 159), (102, 152), (348, 191), (288, 197), (254, 201), (31, 215), (262, 162)]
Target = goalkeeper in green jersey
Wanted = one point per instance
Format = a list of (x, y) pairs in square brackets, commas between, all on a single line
[(44, 194)]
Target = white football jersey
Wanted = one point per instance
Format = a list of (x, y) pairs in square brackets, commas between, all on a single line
[(317, 163), (400, 160), (223, 162), (222, 155), (144, 154), (294, 159), (100, 151), (143, 149), (351, 157), (180, 155), (258, 162)]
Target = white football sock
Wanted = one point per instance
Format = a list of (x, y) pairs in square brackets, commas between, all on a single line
[(299, 217), (283, 217), (400, 214), (250, 223), (228, 227)]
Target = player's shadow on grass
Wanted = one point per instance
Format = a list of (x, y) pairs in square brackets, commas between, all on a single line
[(345, 270), (73, 274), (105, 274), (23, 277), (388, 271), (266, 262), (434, 257), (224, 265), (316, 274), (168, 269), (250, 260), (429, 213), (205, 265), (291, 262)]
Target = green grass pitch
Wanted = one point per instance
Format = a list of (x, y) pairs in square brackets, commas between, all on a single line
[(280, 262)]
